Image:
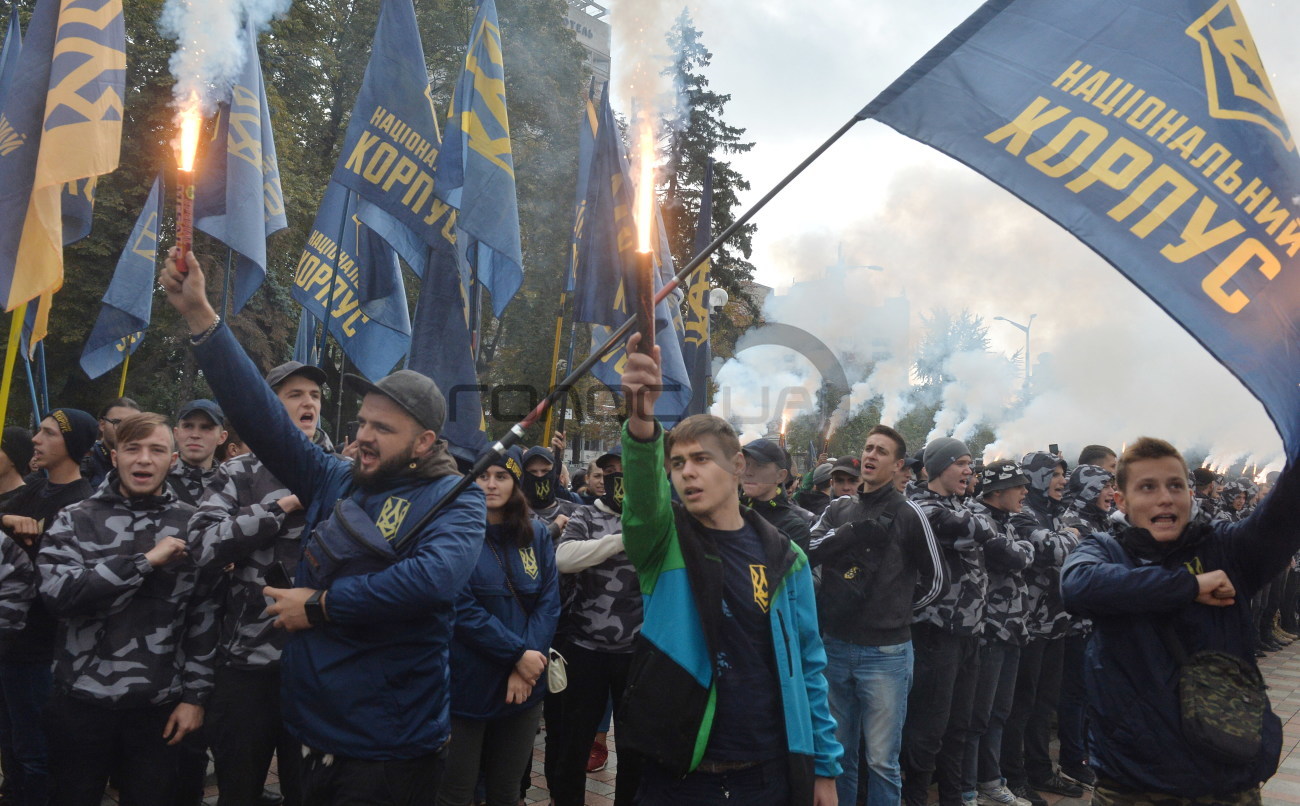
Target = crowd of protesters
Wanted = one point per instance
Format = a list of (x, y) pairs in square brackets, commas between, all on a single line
[(173, 594)]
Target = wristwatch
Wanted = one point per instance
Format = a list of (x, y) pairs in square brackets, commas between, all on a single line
[(315, 610)]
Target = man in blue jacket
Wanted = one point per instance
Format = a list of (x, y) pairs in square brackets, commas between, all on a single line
[(1165, 571), (365, 675)]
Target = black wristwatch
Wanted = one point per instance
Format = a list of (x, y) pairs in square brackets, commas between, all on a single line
[(315, 610)]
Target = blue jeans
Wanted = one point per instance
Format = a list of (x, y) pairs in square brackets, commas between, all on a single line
[(868, 698), (26, 689)]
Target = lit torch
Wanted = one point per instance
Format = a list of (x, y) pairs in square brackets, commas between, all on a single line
[(645, 222), (190, 120), (781, 439)]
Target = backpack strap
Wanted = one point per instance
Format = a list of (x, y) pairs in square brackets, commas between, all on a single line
[(1171, 641)]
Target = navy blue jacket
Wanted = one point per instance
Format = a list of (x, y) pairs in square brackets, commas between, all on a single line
[(1135, 737), (373, 682), (494, 629)]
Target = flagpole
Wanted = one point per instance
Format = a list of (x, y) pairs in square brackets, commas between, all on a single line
[(225, 287), (121, 387), (31, 387), (338, 418), (11, 357), (45, 381), (516, 432), (555, 367)]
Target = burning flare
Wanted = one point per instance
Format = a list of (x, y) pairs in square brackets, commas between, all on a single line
[(190, 120), (645, 191)]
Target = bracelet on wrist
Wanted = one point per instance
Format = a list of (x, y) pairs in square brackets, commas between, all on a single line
[(195, 341)]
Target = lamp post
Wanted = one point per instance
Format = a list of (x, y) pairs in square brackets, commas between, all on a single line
[(1025, 327)]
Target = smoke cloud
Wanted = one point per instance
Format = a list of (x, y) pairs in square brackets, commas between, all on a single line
[(210, 43), (1108, 364)]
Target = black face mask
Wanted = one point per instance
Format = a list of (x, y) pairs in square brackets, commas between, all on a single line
[(539, 490), (613, 497)]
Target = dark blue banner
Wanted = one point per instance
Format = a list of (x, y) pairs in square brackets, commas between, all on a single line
[(697, 353), (1148, 129), (125, 314), (238, 199), (328, 280)]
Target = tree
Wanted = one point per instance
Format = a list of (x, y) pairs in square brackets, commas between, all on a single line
[(946, 335)]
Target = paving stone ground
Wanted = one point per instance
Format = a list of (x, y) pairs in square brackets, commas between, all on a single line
[(1281, 670)]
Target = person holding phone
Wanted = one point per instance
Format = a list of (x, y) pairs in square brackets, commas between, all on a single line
[(254, 523)]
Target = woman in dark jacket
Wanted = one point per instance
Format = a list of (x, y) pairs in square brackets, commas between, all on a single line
[(505, 619)]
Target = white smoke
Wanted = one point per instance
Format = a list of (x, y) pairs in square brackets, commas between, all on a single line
[(211, 44), (1108, 364)]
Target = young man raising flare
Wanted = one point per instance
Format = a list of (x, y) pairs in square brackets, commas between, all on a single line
[(726, 695)]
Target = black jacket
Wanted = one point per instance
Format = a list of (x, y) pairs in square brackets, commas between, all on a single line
[(909, 554), (791, 520)]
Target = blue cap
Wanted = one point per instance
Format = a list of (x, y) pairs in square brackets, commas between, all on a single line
[(208, 407)]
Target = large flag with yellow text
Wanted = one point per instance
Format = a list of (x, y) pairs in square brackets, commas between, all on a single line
[(61, 123), (1149, 129)]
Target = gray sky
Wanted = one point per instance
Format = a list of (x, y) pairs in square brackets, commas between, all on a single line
[(946, 236)]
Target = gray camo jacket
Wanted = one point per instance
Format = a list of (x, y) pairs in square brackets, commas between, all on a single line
[(130, 635), (17, 584)]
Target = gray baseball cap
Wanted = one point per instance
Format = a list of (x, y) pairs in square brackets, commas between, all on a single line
[(417, 394), (282, 373)]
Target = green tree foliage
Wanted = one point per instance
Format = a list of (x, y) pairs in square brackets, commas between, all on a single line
[(946, 334), (313, 62)]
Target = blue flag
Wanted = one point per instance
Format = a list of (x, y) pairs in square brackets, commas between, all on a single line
[(60, 124), (476, 171), (238, 199), (1148, 129), (9, 57), (696, 349), (306, 346), (327, 284), (586, 152), (606, 232), (391, 145), (440, 338), (124, 316)]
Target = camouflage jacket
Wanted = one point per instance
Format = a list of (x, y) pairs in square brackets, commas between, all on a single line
[(1040, 523), (961, 535), (604, 614), (189, 483), (130, 635), (1006, 557), (17, 584), (239, 523)]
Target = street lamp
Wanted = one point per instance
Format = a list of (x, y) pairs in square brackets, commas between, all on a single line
[(1025, 328)]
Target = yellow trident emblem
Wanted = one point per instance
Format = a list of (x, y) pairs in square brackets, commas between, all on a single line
[(758, 576), (529, 559), (391, 516)]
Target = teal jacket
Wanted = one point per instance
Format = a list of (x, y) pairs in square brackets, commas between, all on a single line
[(672, 687)]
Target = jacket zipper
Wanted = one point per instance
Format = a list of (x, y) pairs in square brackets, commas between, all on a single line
[(785, 636)]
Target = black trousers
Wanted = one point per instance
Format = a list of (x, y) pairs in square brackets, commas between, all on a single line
[(940, 656), (1070, 727), (594, 677), (245, 729), (1026, 740), (88, 743), (361, 782), (1290, 601)]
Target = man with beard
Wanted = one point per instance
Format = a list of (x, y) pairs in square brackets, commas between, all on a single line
[(1165, 586), (364, 675), (253, 523), (137, 629), (1026, 759), (541, 487)]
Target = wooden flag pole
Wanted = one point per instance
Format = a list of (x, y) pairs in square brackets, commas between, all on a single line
[(121, 386), (11, 358), (555, 368)]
